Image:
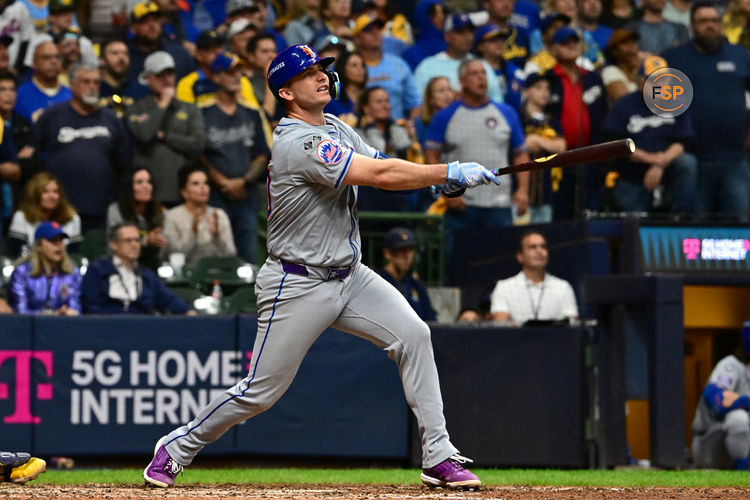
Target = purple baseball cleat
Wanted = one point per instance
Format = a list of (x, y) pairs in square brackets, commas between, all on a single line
[(162, 470), (451, 473)]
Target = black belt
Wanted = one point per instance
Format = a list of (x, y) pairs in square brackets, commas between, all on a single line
[(328, 273)]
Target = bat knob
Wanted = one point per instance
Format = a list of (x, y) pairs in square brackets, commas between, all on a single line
[(631, 145)]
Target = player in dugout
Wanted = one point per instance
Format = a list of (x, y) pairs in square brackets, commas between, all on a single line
[(721, 427), (314, 277)]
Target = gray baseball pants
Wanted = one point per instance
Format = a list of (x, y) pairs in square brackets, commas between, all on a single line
[(724, 442), (293, 311)]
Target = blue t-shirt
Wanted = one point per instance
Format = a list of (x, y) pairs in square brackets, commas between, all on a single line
[(233, 141), (601, 36), (718, 112), (511, 78), (30, 99), (85, 152), (630, 117), (394, 75)]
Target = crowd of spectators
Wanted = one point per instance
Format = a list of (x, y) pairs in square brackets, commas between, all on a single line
[(156, 116)]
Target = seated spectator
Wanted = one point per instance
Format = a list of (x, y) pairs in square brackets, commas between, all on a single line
[(429, 17), (398, 249), (721, 427), (70, 53), (118, 285), (44, 89), (194, 228), (544, 137), (44, 200), (620, 76), (167, 133), (533, 294), (437, 95), (46, 281), (618, 13), (459, 33), (305, 22), (85, 146), (589, 14), (196, 86), (117, 91), (734, 22), (660, 150), (657, 34), (353, 75), (140, 206)]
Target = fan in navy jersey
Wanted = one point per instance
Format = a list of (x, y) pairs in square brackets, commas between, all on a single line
[(85, 146)]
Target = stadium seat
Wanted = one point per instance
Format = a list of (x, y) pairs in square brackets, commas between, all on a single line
[(242, 301), (187, 293), (209, 269), (94, 244)]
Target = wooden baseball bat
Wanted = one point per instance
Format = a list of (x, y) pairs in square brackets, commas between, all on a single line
[(588, 154)]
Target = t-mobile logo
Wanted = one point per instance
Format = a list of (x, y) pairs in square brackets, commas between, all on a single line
[(22, 380), (691, 247)]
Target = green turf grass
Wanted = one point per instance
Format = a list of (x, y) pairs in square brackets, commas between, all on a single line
[(500, 477)]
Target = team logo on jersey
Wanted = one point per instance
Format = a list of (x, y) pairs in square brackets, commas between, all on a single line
[(491, 123), (329, 152)]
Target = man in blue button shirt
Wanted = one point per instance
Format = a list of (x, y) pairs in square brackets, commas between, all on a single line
[(720, 74)]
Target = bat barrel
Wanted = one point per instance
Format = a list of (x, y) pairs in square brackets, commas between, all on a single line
[(588, 154)]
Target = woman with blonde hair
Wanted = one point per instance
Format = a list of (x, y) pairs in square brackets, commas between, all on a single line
[(46, 281), (734, 23), (438, 94), (44, 200)]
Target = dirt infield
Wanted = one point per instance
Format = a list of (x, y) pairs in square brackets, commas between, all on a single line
[(357, 492)]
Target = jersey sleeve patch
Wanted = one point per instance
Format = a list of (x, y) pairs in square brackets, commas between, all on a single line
[(329, 152)]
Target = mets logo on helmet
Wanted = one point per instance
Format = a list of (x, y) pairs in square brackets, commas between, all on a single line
[(329, 152), (307, 50)]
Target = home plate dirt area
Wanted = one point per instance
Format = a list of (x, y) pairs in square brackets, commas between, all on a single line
[(357, 492)]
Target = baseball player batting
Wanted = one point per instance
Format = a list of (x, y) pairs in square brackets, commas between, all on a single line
[(314, 277)]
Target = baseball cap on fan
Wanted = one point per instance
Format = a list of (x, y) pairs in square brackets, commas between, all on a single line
[(399, 237), (143, 9), (49, 230), (651, 64), (240, 25), (223, 62), (235, 6), (365, 21), (154, 64), (57, 6), (457, 22)]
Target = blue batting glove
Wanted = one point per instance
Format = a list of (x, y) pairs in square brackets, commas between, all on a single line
[(469, 174)]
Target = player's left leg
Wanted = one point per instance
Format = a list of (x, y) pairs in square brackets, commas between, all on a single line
[(376, 311), (20, 467)]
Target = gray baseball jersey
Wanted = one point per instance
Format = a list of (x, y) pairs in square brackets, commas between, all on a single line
[(730, 374), (313, 222), (312, 215)]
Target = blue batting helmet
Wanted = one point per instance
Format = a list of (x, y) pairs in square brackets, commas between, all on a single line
[(746, 337), (294, 60)]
